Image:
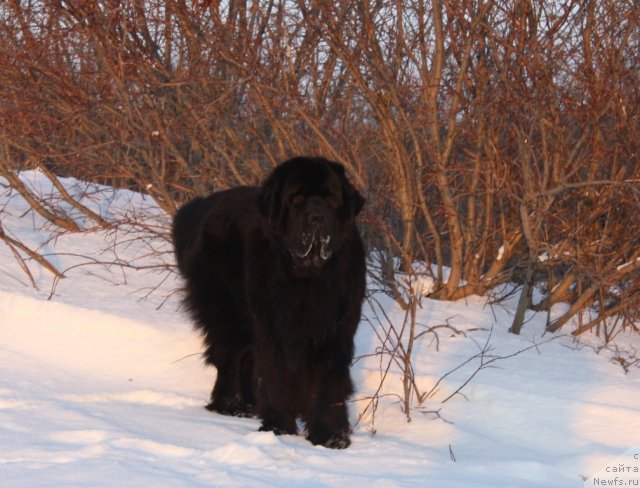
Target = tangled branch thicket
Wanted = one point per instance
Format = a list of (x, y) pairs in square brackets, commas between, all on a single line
[(495, 139)]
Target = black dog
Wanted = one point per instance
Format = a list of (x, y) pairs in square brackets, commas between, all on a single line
[(275, 278)]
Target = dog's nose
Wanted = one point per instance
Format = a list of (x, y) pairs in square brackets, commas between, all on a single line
[(317, 217)]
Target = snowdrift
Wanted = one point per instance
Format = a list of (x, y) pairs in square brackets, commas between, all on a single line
[(102, 383)]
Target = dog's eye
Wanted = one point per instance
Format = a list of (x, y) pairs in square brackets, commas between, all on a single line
[(297, 199)]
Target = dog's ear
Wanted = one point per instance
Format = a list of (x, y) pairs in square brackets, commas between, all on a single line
[(350, 194), (268, 198), (357, 200)]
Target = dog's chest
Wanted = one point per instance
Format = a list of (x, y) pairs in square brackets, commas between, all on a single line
[(307, 309)]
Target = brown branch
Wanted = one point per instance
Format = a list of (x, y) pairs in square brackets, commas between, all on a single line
[(13, 243)]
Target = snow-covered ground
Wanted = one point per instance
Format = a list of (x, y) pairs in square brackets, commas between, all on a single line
[(102, 384)]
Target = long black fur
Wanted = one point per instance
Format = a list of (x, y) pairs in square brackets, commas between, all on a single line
[(278, 324)]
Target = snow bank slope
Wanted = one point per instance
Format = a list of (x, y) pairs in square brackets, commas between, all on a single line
[(103, 385)]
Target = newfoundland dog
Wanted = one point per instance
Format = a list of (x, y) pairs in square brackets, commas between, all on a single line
[(275, 278)]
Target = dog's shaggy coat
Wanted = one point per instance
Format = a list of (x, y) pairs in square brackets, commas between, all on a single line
[(275, 278)]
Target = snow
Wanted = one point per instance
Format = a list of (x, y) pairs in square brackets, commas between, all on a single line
[(630, 264), (102, 382), (500, 253)]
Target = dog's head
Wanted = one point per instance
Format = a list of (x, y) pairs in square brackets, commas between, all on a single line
[(309, 205)]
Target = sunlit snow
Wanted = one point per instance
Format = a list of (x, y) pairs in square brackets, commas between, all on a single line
[(102, 382)]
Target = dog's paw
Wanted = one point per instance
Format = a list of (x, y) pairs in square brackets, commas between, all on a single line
[(235, 409), (337, 440), (277, 430)]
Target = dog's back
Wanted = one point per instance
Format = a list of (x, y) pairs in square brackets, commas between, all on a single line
[(209, 253), (186, 229)]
